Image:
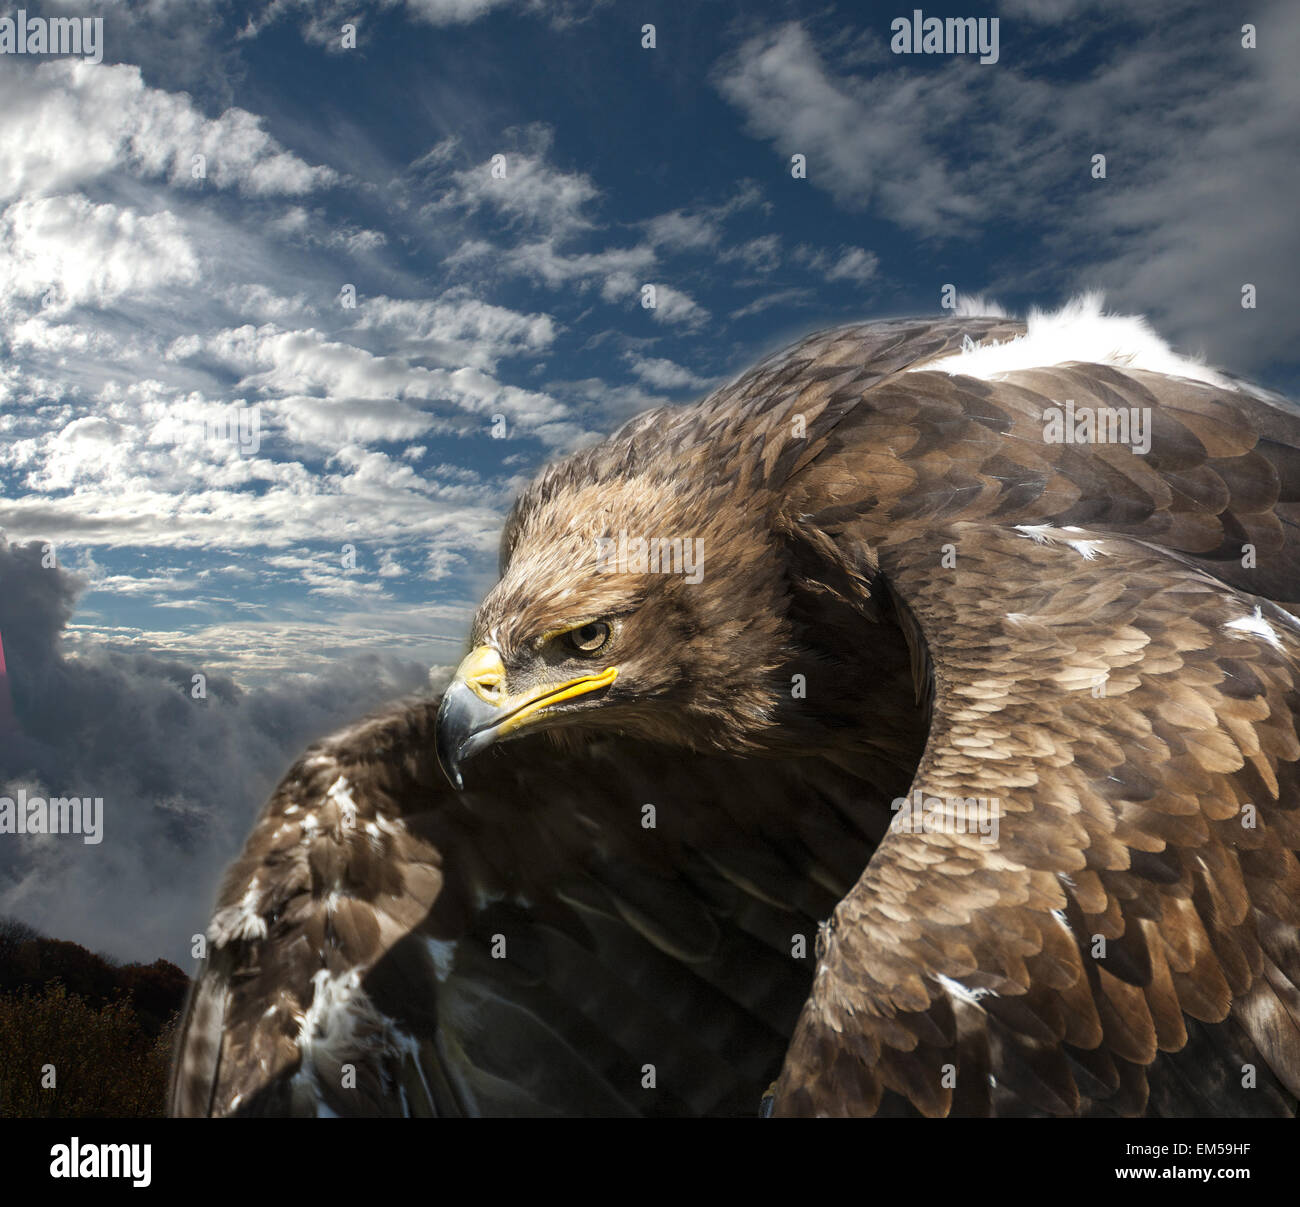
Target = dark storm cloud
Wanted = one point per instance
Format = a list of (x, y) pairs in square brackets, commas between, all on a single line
[(181, 778)]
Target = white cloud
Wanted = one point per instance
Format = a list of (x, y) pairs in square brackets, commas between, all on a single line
[(523, 187), (677, 307), (761, 254), (448, 12), (680, 231), (313, 229), (700, 227), (96, 119), (663, 374), (552, 203), (258, 301), (389, 566), (781, 297), (456, 328), (70, 252), (854, 264), (620, 271), (275, 362), (1215, 207), (322, 424), (324, 18), (864, 138), (1199, 193)]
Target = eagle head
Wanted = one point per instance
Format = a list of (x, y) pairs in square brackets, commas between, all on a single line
[(632, 600)]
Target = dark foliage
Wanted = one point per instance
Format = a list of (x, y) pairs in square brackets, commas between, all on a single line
[(81, 1037)]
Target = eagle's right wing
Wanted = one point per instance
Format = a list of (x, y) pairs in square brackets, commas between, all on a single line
[(614, 930)]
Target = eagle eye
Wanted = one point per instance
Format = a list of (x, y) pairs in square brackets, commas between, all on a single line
[(588, 638)]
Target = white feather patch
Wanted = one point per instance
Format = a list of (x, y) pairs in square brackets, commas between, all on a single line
[(242, 920), (340, 792), (1044, 534), (443, 954), (1257, 626), (1079, 331), (959, 991)]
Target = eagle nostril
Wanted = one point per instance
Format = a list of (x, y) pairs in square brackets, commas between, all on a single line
[(484, 673)]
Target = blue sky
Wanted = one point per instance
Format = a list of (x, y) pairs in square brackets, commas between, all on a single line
[(142, 308)]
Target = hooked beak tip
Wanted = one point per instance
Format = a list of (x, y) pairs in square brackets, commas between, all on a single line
[(466, 724), (455, 724)]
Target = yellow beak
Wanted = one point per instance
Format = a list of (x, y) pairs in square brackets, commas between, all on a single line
[(477, 707)]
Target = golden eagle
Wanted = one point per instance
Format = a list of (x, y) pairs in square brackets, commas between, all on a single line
[(907, 728)]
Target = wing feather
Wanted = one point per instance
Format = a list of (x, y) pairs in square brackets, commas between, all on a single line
[(353, 968), (1100, 947)]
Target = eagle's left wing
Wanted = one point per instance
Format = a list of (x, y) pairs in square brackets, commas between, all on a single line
[(1125, 940)]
